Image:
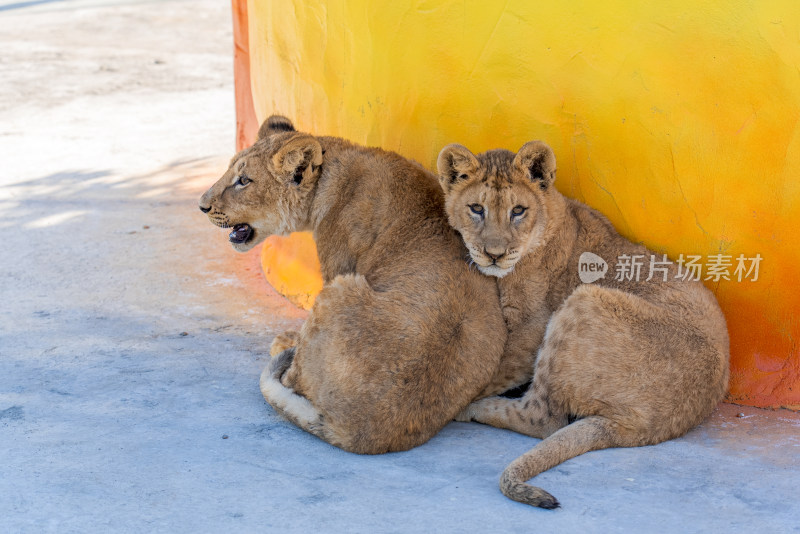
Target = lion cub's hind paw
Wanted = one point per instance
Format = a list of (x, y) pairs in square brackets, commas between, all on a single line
[(465, 415), (284, 341)]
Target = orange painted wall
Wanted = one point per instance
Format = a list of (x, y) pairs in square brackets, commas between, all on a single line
[(246, 121), (679, 121)]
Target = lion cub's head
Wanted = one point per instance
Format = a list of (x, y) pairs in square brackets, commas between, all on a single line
[(498, 201), (268, 188)]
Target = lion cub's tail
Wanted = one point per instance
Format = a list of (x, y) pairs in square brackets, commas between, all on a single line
[(582, 436), (285, 401)]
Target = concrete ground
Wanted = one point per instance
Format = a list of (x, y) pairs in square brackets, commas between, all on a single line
[(132, 336)]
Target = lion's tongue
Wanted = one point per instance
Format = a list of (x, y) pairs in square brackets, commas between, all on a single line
[(240, 233)]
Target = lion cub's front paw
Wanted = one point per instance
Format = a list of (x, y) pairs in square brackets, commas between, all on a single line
[(284, 341)]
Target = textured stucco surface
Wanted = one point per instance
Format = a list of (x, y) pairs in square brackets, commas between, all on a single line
[(112, 420), (680, 122)]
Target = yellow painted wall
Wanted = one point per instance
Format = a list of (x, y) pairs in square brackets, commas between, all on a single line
[(678, 120)]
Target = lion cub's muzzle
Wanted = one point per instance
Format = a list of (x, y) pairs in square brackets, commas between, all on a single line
[(241, 233), (494, 263)]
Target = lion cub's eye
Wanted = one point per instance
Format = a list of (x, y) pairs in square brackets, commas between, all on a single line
[(517, 211), (243, 180), (477, 209)]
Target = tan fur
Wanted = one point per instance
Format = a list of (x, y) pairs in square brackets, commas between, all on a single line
[(283, 342), (635, 362), (388, 354)]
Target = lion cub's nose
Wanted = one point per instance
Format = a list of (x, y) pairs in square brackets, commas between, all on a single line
[(494, 254), (205, 209)]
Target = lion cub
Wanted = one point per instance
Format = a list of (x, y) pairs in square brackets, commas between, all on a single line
[(388, 355), (634, 361)]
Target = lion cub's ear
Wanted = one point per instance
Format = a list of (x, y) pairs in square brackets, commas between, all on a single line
[(456, 164), (298, 162), (275, 124), (537, 161)]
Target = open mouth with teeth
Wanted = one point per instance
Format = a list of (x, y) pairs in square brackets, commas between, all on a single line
[(241, 233)]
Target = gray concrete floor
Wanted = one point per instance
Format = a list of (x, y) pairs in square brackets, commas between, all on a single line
[(132, 336)]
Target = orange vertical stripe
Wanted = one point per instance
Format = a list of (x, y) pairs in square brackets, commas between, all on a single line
[(246, 121)]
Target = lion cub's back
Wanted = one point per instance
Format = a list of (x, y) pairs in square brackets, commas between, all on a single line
[(459, 314), (428, 333)]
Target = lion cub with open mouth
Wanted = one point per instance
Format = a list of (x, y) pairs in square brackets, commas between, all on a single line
[(403, 335), (632, 362)]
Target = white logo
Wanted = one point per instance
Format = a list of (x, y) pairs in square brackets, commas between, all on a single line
[(591, 267)]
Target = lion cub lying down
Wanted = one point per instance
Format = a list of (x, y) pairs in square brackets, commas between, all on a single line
[(403, 335), (635, 362)]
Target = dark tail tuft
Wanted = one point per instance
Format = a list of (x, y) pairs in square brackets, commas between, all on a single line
[(280, 363), (519, 491)]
